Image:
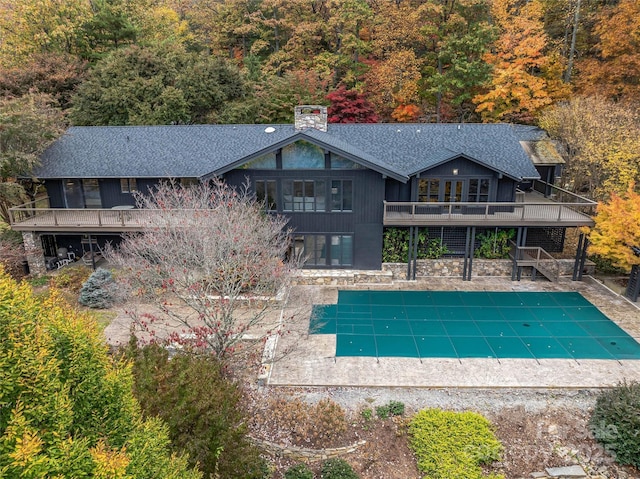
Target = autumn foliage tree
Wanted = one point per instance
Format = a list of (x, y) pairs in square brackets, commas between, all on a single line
[(617, 229), (349, 106), (67, 407), (210, 260), (518, 89), (614, 68), (600, 140), (28, 124)]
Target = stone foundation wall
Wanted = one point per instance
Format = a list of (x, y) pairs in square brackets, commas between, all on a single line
[(444, 267), (448, 267)]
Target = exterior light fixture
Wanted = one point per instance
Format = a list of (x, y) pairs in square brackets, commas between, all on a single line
[(455, 171)]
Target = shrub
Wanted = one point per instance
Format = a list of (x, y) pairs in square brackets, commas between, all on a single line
[(337, 469), (205, 418), (616, 422), (452, 445), (494, 244), (71, 278), (97, 291), (396, 246), (319, 425), (299, 471), (392, 408)]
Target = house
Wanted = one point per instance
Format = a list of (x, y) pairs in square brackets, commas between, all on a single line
[(339, 184)]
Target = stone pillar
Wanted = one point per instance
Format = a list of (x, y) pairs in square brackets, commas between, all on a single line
[(34, 253)]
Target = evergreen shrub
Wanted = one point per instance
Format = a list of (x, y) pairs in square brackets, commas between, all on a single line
[(337, 468), (616, 422), (453, 445), (97, 291), (298, 471)]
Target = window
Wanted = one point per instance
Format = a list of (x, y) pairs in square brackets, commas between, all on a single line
[(428, 190), (264, 162), (91, 194), (311, 249), (342, 250), (478, 190), (340, 163), (82, 193), (266, 193), (128, 185), (188, 182), (303, 195), (341, 195), (323, 250), (302, 155)]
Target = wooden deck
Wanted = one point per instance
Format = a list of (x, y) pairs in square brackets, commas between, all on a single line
[(533, 210), (79, 220)]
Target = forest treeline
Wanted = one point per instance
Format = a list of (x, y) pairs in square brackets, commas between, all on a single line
[(569, 66), (207, 61)]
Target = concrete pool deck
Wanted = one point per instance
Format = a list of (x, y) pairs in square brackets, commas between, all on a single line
[(312, 360)]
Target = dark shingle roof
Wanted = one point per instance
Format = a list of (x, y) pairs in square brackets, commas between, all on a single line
[(398, 150)]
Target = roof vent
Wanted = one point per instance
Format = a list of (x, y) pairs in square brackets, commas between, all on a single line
[(269, 129), (311, 116)]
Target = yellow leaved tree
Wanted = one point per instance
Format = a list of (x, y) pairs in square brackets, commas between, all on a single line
[(66, 407), (616, 234)]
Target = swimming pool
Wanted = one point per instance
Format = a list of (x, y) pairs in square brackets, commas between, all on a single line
[(474, 324)]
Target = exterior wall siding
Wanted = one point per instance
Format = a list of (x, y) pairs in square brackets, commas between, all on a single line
[(364, 222)]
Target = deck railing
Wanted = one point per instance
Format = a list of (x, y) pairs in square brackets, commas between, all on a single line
[(411, 213), (559, 206), (557, 194), (37, 214)]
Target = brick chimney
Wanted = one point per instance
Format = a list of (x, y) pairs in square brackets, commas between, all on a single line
[(311, 116)]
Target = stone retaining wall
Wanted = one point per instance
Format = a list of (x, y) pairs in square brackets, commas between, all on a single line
[(303, 454)]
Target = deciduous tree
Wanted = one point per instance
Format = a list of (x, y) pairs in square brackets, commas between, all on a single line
[(43, 26), (67, 407), (349, 106), (52, 73), (614, 70), (519, 88), (601, 140), (393, 82), (28, 125), (210, 260), (617, 229)]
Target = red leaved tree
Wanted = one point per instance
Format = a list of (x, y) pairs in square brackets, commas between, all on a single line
[(350, 106), (210, 262)]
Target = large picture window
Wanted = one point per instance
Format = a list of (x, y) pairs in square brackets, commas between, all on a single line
[(302, 155), (303, 195), (323, 250)]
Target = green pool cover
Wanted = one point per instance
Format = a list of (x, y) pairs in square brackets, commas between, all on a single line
[(458, 324)]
